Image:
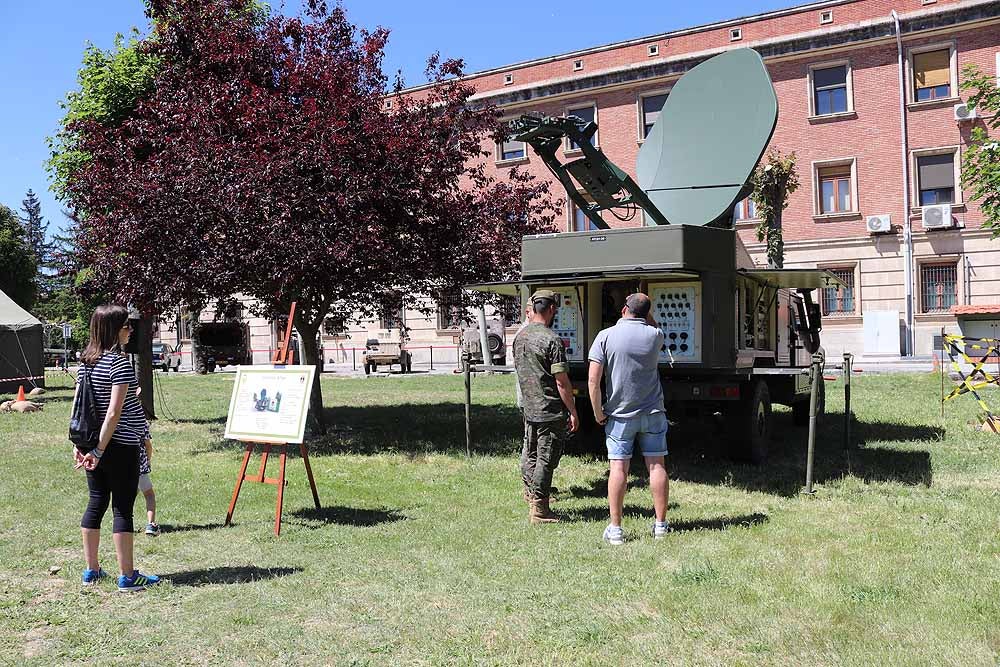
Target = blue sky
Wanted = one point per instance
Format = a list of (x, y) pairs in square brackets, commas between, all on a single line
[(44, 40)]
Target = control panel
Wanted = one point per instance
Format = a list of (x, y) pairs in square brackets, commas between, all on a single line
[(568, 323), (677, 309)]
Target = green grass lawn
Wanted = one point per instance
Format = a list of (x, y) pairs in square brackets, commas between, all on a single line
[(423, 556)]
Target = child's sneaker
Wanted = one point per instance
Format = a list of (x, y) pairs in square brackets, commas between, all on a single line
[(660, 529), (91, 577), (614, 535), (152, 529), (137, 582)]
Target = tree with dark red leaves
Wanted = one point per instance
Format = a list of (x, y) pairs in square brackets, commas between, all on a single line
[(265, 163)]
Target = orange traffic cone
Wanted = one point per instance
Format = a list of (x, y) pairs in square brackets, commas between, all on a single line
[(20, 394)]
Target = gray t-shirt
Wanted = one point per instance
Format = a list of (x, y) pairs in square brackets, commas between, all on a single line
[(630, 353)]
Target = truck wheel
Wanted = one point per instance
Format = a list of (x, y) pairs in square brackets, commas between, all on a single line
[(409, 364), (800, 410), (368, 369), (749, 425)]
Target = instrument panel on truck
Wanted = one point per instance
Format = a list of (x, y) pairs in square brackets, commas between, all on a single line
[(677, 309)]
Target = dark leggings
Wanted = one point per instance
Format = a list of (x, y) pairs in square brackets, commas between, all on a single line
[(114, 481)]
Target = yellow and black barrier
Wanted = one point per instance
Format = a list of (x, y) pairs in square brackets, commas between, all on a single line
[(957, 348)]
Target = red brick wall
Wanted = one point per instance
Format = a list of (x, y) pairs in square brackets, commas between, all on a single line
[(871, 136)]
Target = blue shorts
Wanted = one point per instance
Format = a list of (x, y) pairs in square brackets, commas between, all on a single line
[(648, 431)]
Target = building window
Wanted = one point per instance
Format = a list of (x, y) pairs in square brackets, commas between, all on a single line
[(840, 300), (577, 65), (835, 189), (335, 325), (932, 75), (510, 311), (581, 223), (649, 110), (936, 179), (653, 50), (826, 17), (938, 287), (744, 210), (388, 104), (450, 313), (508, 79), (587, 114), (830, 94), (511, 150), (736, 34), (393, 319)]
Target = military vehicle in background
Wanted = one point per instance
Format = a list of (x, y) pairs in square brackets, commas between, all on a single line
[(222, 344), (472, 346), (738, 337), (380, 353)]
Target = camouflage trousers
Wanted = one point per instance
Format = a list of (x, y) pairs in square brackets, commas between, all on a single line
[(543, 446)]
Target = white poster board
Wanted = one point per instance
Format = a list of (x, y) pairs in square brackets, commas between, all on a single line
[(270, 403)]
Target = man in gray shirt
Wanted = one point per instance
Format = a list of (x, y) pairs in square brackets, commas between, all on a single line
[(626, 356)]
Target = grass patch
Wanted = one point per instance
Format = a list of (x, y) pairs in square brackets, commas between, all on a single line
[(423, 556)]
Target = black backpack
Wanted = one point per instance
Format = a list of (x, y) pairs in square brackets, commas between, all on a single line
[(84, 427)]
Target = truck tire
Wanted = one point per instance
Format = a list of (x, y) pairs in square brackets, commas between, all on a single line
[(368, 369), (800, 410), (749, 424)]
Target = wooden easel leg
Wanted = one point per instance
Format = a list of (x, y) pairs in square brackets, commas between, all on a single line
[(281, 489), (239, 483), (309, 473)]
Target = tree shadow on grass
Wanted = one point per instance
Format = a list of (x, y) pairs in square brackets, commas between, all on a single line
[(197, 420), (413, 429), (183, 528), (348, 516), (228, 575), (701, 456)]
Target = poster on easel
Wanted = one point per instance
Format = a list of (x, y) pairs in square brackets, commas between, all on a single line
[(270, 403)]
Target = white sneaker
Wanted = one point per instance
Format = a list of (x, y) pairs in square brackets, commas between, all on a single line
[(614, 535), (660, 530)]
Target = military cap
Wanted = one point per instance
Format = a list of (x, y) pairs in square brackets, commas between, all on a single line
[(543, 294)]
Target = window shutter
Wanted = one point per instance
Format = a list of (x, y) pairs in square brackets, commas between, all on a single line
[(936, 171), (932, 68)]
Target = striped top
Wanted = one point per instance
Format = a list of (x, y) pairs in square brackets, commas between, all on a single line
[(111, 369)]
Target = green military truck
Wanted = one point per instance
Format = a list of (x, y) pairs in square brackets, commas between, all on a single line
[(738, 337)]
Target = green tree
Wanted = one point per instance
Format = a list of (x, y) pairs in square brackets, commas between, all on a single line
[(111, 84), (773, 181), (981, 163), (17, 264)]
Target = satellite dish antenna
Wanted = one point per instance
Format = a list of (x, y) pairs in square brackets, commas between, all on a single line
[(715, 125)]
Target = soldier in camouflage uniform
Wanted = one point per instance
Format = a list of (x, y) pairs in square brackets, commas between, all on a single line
[(547, 402)]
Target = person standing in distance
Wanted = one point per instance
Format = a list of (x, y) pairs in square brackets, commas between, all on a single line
[(627, 357), (547, 402)]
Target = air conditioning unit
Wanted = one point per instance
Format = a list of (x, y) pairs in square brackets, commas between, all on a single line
[(964, 112), (937, 217), (879, 224)]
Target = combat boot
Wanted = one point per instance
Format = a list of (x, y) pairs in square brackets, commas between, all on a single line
[(540, 512)]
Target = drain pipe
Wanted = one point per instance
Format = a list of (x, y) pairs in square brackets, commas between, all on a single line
[(907, 227)]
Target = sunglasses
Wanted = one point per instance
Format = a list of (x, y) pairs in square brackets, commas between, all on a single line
[(128, 325)]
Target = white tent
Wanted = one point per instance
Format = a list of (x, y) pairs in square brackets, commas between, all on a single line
[(21, 349)]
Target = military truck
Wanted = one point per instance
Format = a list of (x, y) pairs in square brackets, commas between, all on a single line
[(738, 337)]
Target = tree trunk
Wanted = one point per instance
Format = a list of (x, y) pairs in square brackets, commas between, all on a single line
[(144, 364), (312, 356), (776, 254), (197, 360)]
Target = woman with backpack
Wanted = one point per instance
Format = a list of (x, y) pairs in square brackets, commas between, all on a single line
[(112, 465)]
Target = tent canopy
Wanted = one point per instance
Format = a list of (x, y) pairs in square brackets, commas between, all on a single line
[(13, 317)]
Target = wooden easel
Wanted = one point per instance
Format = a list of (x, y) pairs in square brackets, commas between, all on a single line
[(280, 358)]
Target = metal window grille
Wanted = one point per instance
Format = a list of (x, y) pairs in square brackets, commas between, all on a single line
[(840, 300), (937, 287), (392, 320), (450, 313)]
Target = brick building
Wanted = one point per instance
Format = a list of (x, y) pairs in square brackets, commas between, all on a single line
[(867, 93)]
